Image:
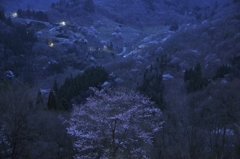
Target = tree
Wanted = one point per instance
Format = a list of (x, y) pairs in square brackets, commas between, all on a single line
[(23, 129), (55, 87), (150, 4), (114, 124), (88, 6), (39, 101), (152, 84), (219, 114), (51, 101), (64, 104), (15, 108), (194, 80), (5, 144), (9, 22), (74, 86), (2, 15)]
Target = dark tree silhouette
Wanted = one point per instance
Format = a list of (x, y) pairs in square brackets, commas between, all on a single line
[(39, 101), (88, 6), (52, 104)]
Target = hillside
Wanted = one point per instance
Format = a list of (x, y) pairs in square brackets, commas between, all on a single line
[(183, 56)]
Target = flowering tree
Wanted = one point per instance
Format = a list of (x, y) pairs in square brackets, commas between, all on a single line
[(114, 124)]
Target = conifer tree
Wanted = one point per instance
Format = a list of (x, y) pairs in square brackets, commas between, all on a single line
[(64, 104), (51, 101), (55, 87), (89, 6), (2, 16), (39, 101), (9, 22)]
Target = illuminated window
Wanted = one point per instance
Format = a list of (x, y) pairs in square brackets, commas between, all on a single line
[(105, 48), (51, 44), (14, 14), (91, 49), (63, 23)]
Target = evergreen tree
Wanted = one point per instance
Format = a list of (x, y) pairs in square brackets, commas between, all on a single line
[(194, 80), (89, 6), (2, 16), (52, 104), (73, 86), (9, 22), (222, 71), (55, 87), (152, 85), (64, 104), (39, 101)]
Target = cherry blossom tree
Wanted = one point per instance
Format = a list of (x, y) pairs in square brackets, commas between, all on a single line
[(114, 124)]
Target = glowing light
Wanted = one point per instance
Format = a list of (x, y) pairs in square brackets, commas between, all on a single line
[(91, 49), (14, 14), (63, 23), (51, 44), (105, 48)]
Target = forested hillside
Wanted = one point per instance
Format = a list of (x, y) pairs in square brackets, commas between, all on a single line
[(147, 79)]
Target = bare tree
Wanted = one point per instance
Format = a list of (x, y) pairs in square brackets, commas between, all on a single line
[(27, 132)]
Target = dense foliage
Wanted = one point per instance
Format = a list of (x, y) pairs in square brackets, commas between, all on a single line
[(16, 40), (74, 86), (194, 80), (152, 84), (88, 6), (27, 131), (32, 14)]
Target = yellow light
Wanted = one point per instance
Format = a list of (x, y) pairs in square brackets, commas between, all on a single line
[(63, 23), (51, 44), (14, 14)]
